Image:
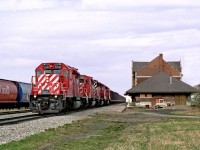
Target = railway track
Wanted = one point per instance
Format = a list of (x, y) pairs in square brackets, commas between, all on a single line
[(13, 112), (8, 112), (9, 120), (20, 119)]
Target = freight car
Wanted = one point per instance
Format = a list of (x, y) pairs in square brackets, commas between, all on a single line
[(116, 97), (57, 87), (14, 94)]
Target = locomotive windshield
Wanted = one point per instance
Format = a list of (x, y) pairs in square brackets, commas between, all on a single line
[(81, 81), (38, 72), (52, 71)]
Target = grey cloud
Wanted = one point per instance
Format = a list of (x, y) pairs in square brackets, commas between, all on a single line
[(21, 5)]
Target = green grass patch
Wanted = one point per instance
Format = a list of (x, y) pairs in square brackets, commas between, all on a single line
[(101, 140)]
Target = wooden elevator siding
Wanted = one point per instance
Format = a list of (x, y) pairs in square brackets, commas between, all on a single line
[(180, 99)]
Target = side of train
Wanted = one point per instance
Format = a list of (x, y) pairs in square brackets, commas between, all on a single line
[(14, 94), (57, 87), (116, 97)]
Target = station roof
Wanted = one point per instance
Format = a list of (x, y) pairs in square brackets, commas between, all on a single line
[(162, 83)]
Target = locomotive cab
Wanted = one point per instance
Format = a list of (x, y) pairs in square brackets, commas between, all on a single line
[(54, 88), (86, 89)]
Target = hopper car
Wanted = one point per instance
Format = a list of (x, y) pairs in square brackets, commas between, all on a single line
[(14, 94)]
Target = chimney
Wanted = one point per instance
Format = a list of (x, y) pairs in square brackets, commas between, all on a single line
[(170, 80), (161, 56), (160, 62)]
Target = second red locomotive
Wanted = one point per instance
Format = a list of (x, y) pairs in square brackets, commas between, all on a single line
[(57, 87)]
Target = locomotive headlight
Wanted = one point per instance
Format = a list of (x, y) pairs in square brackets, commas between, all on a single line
[(56, 96), (35, 96)]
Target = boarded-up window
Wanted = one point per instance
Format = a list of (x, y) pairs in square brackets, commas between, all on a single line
[(149, 95), (142, 95)]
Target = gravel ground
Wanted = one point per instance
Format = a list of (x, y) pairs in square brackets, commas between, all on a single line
[(19, 131)]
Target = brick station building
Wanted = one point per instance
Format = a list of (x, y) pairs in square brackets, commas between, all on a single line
[(158, 79)]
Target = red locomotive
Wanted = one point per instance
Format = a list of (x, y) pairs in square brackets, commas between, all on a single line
[(57, 87)]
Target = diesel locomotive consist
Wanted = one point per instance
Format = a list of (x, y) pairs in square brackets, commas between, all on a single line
[(57, 87)]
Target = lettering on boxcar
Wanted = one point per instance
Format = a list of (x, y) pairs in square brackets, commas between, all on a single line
[(4, 90)]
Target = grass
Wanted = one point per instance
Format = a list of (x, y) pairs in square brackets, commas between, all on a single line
[(107, 133), (170, 134)]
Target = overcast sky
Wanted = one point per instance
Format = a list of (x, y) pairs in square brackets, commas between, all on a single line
[(99, 37)]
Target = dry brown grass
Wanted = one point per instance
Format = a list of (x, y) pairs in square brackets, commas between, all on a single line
[(173, 134)]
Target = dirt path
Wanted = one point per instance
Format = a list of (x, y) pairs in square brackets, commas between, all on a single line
[(165, 112)]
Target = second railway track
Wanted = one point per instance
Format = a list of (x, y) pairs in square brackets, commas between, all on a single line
[(2, 112), (19, 119)]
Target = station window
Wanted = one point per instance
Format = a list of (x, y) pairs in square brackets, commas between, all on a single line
[(148, 95), (142, 95)]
